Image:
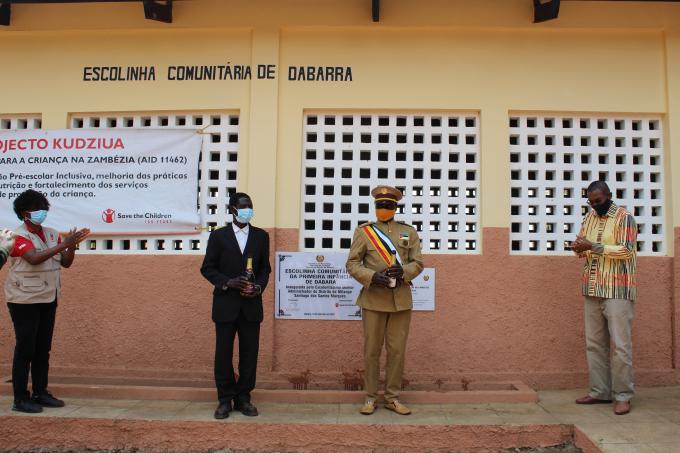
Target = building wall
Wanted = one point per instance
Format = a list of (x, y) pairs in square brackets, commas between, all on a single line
[(499, 315)]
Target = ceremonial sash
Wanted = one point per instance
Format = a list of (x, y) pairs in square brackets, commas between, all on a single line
[(382, 243)]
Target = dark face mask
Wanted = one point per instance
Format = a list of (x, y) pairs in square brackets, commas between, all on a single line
[(602, 208)]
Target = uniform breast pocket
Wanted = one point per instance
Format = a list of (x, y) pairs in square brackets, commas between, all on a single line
[(404, 241), (31, 283), (403, 245)]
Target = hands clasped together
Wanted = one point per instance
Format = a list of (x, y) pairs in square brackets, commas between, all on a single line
[(247, 288), (383, 278), (581, 244)]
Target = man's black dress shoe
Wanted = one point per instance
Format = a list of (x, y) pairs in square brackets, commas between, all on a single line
[(47, 399), (246, 408), (222, 411), (27, 406)]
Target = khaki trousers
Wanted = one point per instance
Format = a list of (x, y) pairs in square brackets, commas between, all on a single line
[(609, 321), (391, 329)]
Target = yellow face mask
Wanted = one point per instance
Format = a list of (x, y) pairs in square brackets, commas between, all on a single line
[(385, 214)]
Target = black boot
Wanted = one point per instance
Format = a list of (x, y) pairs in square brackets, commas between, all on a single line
[(222, 411), (46, 399), (27, 406), (246, 408)]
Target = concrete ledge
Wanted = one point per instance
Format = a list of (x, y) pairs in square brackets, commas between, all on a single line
[(582, 441), (498, 392), (24, 432)]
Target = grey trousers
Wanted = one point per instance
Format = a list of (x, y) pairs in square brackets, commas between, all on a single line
[(608, 321)]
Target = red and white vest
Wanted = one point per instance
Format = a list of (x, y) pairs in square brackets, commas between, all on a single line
[(34, 284)]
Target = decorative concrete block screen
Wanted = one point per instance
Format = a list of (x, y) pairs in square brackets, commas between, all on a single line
[(20, 122), (217, 176), (433, 158), (554, 157)]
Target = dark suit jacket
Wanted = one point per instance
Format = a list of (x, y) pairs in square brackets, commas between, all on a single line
[(224, 260)]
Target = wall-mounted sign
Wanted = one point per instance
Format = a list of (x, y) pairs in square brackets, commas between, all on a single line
[(211, 72), (317, 286), (111, 181)]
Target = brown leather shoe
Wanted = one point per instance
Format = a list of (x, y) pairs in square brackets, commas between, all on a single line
[(622, 407), (369, 407), (396, 406), (590, 400)]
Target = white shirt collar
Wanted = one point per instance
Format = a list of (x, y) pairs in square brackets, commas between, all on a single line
[(245, 230), (241, 235)]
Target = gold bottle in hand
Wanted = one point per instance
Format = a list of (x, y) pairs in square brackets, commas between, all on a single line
[(249, 275), (393, 280)]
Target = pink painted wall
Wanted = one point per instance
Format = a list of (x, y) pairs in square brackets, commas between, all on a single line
[(497, 317)]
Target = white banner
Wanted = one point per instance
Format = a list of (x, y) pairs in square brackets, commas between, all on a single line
[(111, 181), (317, 286)]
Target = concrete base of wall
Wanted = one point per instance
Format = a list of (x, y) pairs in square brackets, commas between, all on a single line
[(199, 390), (73, 433), (557, 380)]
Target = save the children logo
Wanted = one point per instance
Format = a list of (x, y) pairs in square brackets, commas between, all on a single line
[(107, 215), (110, 215)]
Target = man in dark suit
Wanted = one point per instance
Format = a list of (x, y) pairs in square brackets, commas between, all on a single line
[(237, 302)]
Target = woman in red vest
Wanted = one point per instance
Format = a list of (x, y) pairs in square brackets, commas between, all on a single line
[(31, 291)]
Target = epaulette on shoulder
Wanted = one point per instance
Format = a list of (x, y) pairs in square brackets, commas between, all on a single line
[(404, 223), (366, 224)]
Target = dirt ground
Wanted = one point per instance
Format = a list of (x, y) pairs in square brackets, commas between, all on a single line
[(566, 448)]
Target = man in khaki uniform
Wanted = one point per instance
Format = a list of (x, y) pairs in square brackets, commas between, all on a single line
[(384, 257)]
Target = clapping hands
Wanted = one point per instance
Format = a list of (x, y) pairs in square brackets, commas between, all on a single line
[(75, 236)]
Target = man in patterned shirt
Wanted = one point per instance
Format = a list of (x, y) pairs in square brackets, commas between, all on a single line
[(608, 241), (6, 244)]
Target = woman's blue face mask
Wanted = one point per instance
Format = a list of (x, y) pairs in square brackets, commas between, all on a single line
[(37, 217)]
